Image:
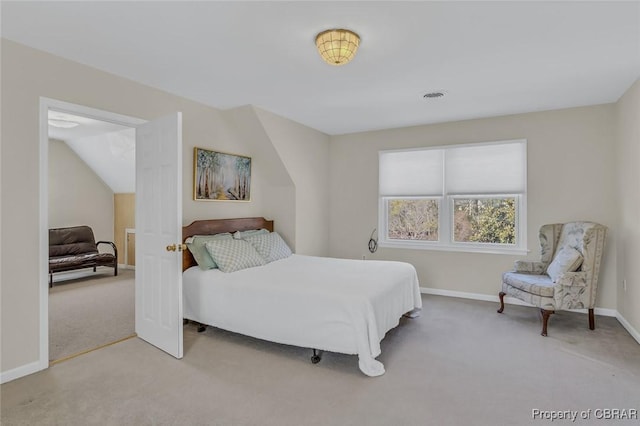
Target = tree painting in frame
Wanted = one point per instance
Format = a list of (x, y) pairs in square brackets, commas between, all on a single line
[(219, 176)]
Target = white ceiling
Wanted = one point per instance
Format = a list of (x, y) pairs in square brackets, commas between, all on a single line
[(86, 127), (491, 58)]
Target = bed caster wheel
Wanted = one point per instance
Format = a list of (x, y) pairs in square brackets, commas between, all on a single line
[(316, 357), (201, 328)]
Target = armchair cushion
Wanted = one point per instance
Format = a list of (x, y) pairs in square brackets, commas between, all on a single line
[(540, 285), (566, 259)]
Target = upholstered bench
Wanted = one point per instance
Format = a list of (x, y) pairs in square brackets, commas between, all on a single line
[(75, 248)]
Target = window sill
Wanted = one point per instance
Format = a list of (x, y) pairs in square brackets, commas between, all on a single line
[(515, 251)]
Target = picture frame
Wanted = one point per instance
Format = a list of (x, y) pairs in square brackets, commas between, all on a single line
[(220, 176)]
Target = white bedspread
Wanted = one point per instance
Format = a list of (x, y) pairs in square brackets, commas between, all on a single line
[(337, 305)]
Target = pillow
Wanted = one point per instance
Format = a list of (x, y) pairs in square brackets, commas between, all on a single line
[(233, 255), (271, 246), (567, 259), (196, 246), (240, 235)]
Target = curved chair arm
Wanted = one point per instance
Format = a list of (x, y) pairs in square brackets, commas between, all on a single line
[(571, 291), (573, 279), (530, 267), (113, 246)]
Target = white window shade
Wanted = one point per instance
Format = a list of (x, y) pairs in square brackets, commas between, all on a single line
[(486, 169), (411, 173)]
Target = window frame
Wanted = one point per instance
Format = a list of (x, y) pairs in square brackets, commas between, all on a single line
[(446, 213)]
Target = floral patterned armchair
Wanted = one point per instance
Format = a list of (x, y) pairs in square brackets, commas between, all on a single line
[(566, 277)]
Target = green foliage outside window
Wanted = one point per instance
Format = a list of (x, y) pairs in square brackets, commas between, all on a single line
[(485, 220), (476, 220)]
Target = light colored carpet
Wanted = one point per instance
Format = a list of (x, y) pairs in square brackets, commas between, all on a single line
[(461, 363), (90, 311)]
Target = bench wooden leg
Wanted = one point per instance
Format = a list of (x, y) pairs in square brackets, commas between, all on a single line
[(592, 320), (501, 294), (545, 319)]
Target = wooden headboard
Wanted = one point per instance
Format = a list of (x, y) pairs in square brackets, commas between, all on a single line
[(217, 226)]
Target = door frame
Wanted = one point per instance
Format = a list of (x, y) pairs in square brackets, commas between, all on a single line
[(47, 104)]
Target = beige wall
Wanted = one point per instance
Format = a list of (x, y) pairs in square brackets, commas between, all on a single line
[(28, 74), (305, 154), (571, 168), (628, 168), (124, 208), (77, 196), (280, 201)]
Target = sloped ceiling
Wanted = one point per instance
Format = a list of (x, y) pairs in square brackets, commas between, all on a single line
[(107, 148)]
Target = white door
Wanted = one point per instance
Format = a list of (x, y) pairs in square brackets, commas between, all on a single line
[(158, 228)]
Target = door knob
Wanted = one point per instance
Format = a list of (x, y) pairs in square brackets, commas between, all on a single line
[(174, 247)]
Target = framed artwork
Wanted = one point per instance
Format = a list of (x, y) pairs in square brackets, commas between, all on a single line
[(218, 176)]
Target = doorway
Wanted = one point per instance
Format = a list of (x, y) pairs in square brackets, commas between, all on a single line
[(91, 183), (93, 120)]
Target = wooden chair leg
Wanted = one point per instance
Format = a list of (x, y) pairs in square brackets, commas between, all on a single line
[(501, 295), (545, 319), (592, 320)]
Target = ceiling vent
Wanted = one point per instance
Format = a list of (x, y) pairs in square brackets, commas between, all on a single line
[(434, 95)]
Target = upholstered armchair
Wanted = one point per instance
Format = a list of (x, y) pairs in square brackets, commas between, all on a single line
[(566, 277)]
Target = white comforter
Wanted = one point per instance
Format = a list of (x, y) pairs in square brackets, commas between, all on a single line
[(337, 305)]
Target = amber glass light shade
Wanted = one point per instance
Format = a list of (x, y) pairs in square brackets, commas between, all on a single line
[(337, 47)]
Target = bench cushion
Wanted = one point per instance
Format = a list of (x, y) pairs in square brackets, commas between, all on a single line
[(71, 241)]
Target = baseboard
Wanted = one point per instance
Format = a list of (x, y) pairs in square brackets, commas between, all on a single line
[(508, 300), (632, 331), (21, 371)]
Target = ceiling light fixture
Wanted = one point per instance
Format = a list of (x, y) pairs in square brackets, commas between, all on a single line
[(337, 47), (63, 124)]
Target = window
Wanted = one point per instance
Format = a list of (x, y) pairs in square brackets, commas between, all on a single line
[(459, 197)]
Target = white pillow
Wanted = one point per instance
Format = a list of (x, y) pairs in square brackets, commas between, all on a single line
[(241, 235), (233, 255), (567, 259), (271, 246)]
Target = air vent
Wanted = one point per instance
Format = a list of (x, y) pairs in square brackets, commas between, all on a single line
[(433, 95)]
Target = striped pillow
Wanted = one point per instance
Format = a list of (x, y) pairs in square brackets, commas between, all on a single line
[(567, 259)]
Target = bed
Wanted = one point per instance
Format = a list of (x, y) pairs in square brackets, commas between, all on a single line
[(336, 305)]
